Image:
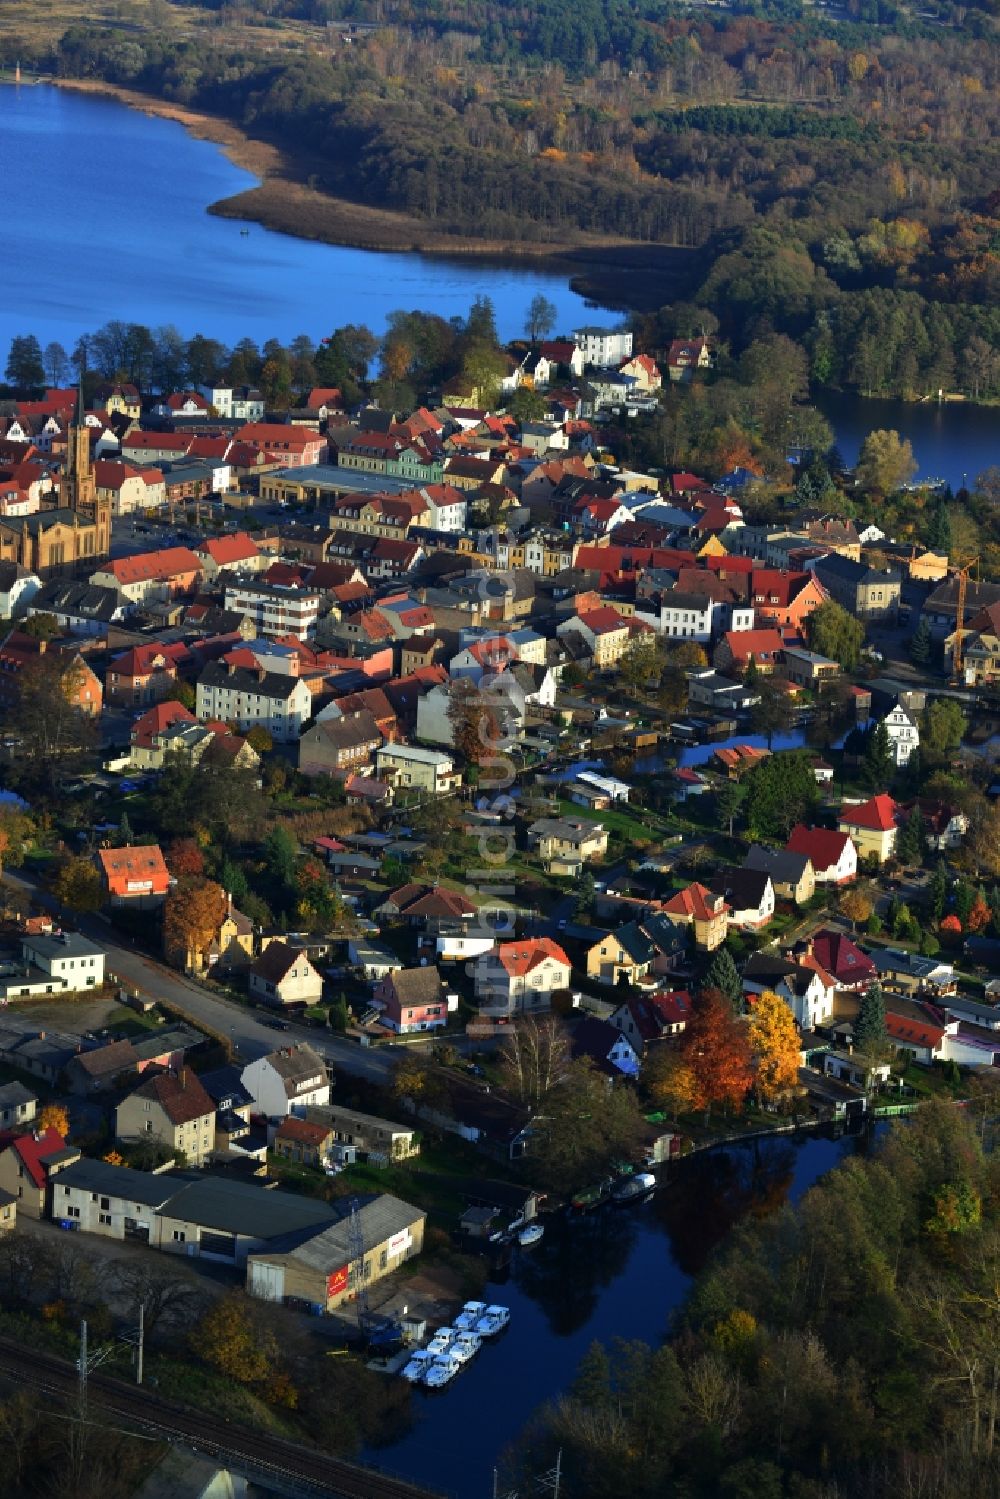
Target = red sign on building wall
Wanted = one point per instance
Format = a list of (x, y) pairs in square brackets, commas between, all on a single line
[(336, 1282)]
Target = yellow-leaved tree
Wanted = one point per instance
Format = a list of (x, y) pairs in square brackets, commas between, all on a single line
[(774, 1040), (671, 1083)]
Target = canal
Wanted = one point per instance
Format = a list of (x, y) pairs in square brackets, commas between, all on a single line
[(614, 1273)]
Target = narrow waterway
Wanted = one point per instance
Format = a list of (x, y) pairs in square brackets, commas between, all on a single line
[(614, 1273)]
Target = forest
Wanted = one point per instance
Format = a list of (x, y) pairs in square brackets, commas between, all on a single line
[(844, 1348), (838, 174)]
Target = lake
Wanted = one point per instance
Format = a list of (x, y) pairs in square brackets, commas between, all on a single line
[(955, 441), (114, 226), (616, 1272), (125, 235)]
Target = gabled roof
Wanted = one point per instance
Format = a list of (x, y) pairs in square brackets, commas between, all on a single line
[(158, 718), (179, 1094), (655, 1013), (303, 1132), (879, 814), (696, 903), (822, 845), (519, 958), (138, 863), (35, 1149), (275, 962), (153, 566), (416, 986)]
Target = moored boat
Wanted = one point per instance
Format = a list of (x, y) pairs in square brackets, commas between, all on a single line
[(441, 1371), (441, 1342), (631, 1188), (466, 1346), (418, 1366), (493, 1320), (530, 1234)]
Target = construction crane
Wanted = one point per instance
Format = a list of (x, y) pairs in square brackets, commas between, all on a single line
[(963, 589)]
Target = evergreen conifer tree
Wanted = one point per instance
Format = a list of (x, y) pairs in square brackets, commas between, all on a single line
[(721, 974), (920, 643), (869, 1029)]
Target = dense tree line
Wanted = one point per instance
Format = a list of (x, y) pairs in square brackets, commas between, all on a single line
[(844, 1349)]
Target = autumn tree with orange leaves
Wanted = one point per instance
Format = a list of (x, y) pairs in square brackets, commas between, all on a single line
[(716, 1047), (192, 916), (184, 857)]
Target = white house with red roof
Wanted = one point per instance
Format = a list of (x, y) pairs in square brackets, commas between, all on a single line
[(520, 977), (833, 855), (155, 447), (150, 575), (842, 959)]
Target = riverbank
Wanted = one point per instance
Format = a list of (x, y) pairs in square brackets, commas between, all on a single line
[(612, 272)]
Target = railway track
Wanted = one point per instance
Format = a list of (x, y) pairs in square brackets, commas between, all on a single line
[(308, 1470)]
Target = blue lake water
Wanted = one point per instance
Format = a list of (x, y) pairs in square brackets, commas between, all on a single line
[(614, 1273), (954, 442), (114, 226)]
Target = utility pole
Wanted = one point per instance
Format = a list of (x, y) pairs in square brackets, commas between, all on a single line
[(82, 1366), (141, 1347)]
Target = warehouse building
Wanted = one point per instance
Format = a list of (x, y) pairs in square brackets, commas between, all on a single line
[(321, 1268)]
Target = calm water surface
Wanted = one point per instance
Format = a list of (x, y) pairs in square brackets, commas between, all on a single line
[(124, 234), (617, 1272), (954, 442)]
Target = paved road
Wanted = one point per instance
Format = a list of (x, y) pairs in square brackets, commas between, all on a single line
[(251, 1037)]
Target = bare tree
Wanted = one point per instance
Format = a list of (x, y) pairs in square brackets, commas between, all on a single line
[(166, 1297), (534, 1058)]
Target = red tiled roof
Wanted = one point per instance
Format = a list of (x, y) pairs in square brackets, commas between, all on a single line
[(302, 1132), (227, 550), (822, 846), (34, 1149), (158, 718), (696, 903), (878, 814), (519, 958), (603, 621), (899, 1029), (151, 566), (135, 864), (757, 643)]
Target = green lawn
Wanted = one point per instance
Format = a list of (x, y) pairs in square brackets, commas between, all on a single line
[(631, 825)]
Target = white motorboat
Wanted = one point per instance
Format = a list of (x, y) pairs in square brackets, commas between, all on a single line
[(418, 1366), (469, 1316), (441, 1371), (630, 1188), (466, 1346), (530, 1234), (441, 1342), (493, 1320)]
